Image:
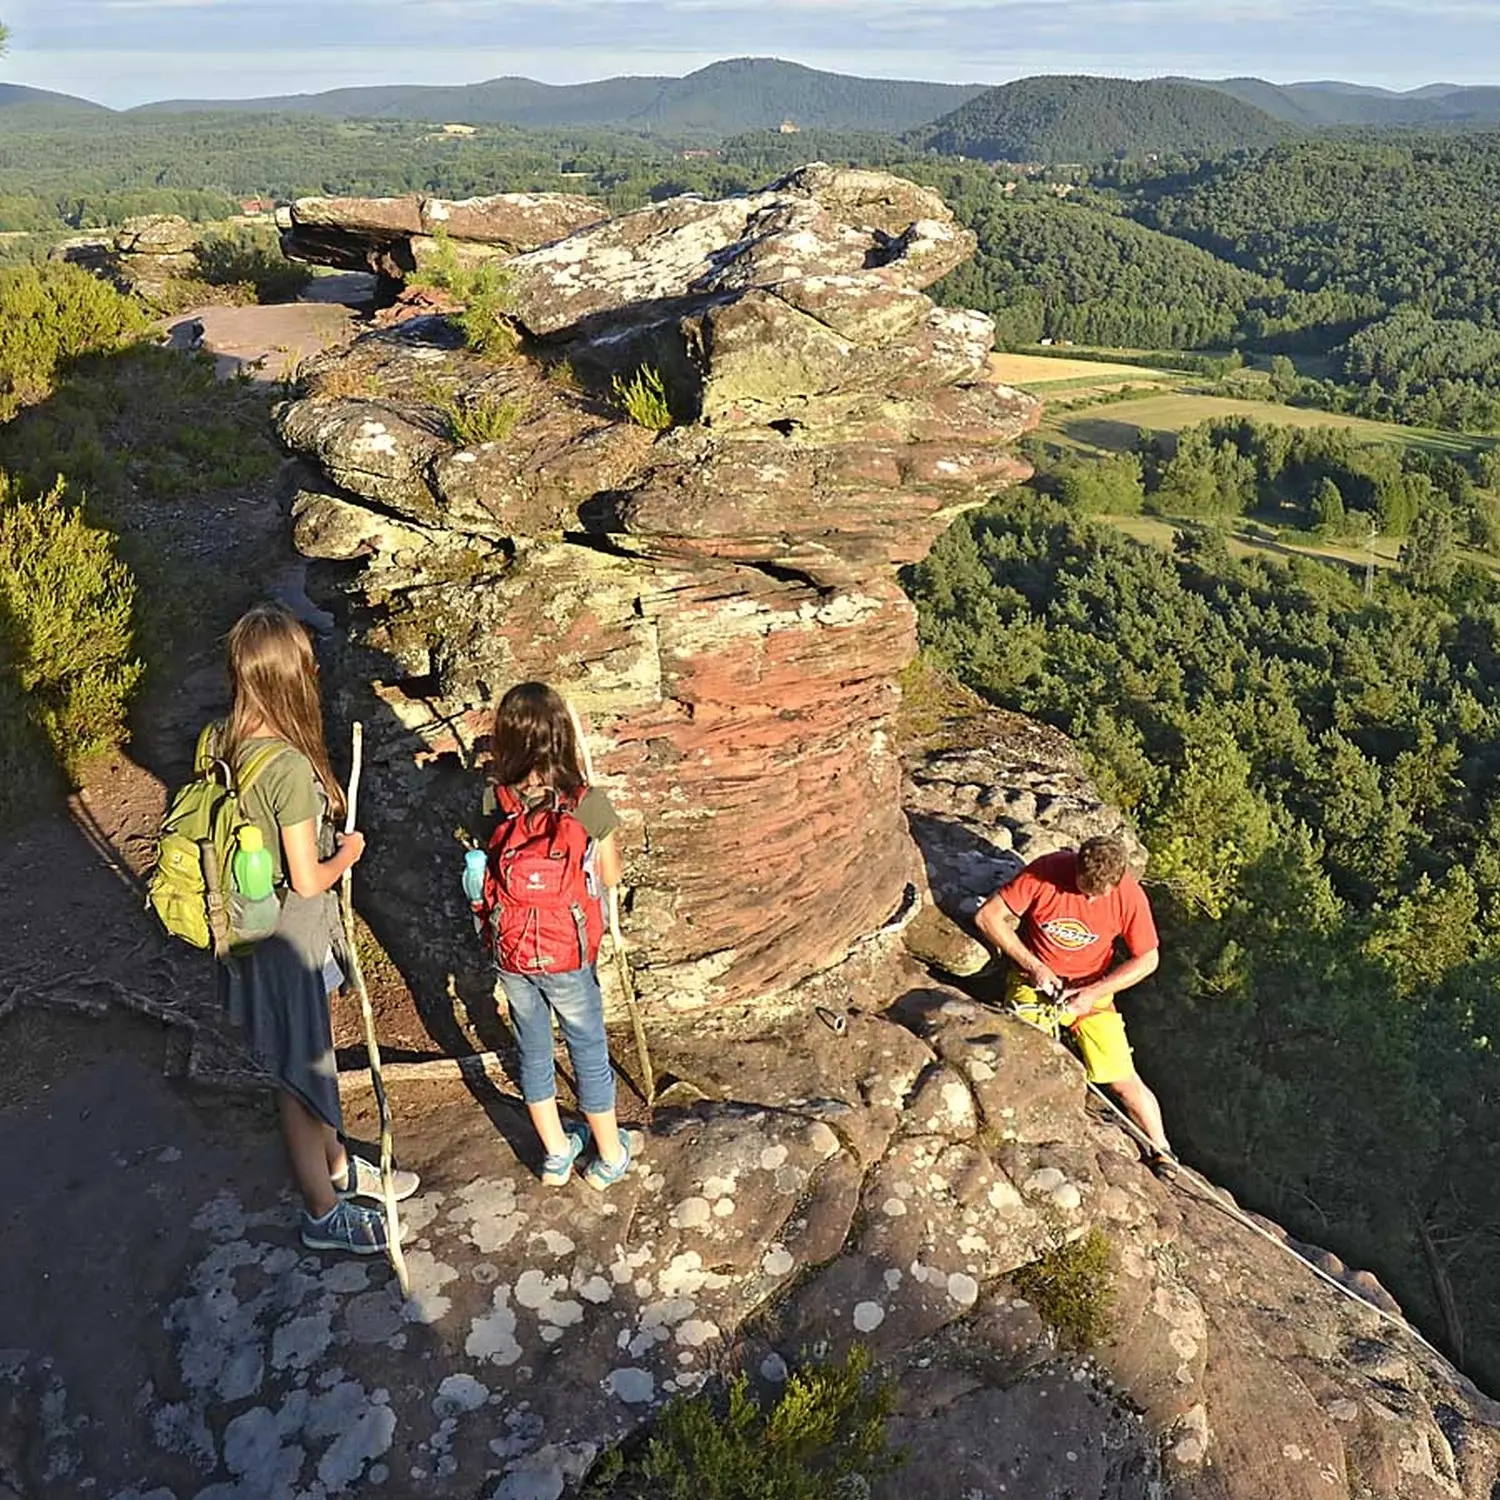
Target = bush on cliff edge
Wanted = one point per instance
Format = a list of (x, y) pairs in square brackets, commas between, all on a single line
[(51, 314), (823, 1439), (66, 664)]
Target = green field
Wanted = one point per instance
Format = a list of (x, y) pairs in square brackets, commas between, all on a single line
[(1246, 537), (1117, 427)]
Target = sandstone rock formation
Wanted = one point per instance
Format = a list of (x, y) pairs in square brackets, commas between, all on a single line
[(810, 1188), (718, 598), (395, 236), (144, 255)]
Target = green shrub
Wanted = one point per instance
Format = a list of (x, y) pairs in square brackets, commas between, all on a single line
[(823, 1439), (1072, 1287), (250, 257), (50, 314), (66, 663), (476, 418), (485, 292), (644, 399)]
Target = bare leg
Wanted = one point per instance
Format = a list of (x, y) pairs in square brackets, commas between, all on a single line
[(1140, 1104), (338, 1158), (606, 1136), (307, 1151), (548, 1125)]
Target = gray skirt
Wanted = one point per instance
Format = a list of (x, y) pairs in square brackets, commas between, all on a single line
[(277, 992)]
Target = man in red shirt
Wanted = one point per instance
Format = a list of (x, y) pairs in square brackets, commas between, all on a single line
[(1058, 922)]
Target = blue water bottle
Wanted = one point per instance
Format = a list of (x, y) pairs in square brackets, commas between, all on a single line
[(475, 861)]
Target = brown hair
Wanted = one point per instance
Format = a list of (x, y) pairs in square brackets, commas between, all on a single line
[(534, 734), (274, 677), (1101, 866)]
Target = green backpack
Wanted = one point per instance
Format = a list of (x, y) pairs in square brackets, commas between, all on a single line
[(191, 888)]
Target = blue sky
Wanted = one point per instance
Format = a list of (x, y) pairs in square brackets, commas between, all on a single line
[(123, 52)]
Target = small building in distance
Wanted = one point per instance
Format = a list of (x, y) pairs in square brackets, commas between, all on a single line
[(460, 130), (790, 127), (253, 207)]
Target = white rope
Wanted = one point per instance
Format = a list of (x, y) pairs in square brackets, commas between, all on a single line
[(1241, 1217)]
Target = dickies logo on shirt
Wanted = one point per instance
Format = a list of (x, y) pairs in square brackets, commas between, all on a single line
[(1070, 933)]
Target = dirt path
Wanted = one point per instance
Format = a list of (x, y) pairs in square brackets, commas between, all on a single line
[(109, 1147)]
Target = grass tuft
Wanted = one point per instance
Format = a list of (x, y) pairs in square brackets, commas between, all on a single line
[(643, 398), (475, 418), (1072, 1287)]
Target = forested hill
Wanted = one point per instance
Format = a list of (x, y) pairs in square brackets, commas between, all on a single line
[(1315, 105), (747, 93), (42, 104), (1384, 225), (1088, 119)]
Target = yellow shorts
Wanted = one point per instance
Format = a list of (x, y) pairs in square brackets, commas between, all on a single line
[(1101, 1038)]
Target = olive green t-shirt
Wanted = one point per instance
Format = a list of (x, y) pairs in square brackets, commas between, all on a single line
[(595, 811), (285, 793)]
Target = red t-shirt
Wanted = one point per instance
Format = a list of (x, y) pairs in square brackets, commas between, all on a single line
[(1071, 933)]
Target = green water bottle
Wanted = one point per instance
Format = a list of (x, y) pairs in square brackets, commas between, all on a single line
[(254, 875)]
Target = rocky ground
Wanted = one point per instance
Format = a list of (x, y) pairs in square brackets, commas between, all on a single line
[(852, 1144), (803, 1187)]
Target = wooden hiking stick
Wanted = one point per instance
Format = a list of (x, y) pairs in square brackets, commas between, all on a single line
[(617, 943), (372, 1042)]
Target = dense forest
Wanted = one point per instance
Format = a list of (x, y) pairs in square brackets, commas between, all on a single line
[(1385, 224), (1315, 774), (1087, 119)]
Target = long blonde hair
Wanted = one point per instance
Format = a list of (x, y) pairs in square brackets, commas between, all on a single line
[(274, 677)]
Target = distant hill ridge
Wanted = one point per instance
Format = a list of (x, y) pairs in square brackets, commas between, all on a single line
[(725, 98), (1334, 103), (1059, 117), (35, 103), (1077, 118)]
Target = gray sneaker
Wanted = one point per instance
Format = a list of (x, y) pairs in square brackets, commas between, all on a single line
[(346, 1226), (364, 1181)]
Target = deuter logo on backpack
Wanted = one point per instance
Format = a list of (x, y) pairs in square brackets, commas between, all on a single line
[(540, 912)]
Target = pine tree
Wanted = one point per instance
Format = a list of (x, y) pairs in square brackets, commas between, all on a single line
[(1328, 509)]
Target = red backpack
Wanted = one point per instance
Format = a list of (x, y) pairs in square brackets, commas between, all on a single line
[(541, 910)]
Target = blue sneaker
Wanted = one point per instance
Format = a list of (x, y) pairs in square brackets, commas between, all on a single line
[(346, 1226), (601, 1174), (557, 1170)]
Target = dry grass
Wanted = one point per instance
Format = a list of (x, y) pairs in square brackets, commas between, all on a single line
[(1040, 369), (342, 383)]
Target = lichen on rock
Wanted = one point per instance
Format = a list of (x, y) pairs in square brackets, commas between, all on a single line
[(718, 599)]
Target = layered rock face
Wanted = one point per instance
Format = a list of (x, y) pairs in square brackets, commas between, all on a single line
[(395, 236), (718, 598)]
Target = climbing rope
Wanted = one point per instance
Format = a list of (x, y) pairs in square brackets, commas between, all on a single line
[(1050, 1019)]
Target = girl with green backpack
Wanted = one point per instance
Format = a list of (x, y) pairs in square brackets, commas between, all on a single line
[(278, 987)]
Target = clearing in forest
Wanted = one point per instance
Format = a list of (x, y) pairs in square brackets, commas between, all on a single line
[(1040, 369), (1116, 428)]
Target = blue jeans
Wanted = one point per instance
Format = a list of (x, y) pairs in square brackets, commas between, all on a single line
[(575, 998)]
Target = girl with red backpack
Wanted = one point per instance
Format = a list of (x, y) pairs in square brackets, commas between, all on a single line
[(549, 859)]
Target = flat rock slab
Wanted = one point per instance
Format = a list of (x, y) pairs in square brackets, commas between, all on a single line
[(267, 343)]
